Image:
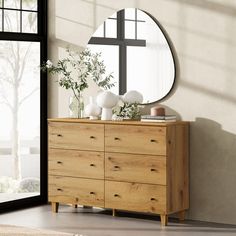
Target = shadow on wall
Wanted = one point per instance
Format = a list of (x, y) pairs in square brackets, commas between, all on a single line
[(223, 8), (205, 78), (212, 163), (212, 170)]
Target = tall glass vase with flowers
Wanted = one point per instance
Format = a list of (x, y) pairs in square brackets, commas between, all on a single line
[(75, 70)]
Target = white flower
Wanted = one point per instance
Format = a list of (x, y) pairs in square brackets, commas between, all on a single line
[(49, 64)]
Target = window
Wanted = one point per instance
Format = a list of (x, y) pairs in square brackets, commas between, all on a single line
[(133, 22), (19, 16), (131, 18), (108, 28), (23, 145), (122, 30)]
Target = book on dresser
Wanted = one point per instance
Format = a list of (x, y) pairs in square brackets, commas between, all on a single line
[(166, 118), (119, 165)]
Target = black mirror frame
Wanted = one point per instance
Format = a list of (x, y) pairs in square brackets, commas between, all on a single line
[(123, 59)]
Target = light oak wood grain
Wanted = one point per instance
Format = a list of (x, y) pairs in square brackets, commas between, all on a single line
[(135, 168), (146, 165), (181, 215), (76, 136), (125, 122), (164, 219), (113, 212), (76, 191), (76, 163), (135, 197), (55, 206), (135, 139), (178, 168)]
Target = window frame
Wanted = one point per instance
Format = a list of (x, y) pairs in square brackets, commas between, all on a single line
[(123, 43), (21, 10), (41, 37)]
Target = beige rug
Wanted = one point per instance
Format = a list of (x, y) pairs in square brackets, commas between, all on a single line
[(9, 230)]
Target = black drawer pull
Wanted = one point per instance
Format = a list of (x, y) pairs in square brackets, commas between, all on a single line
[(92, 137), (153, 199), (116, 167), (59, 189), (59, 162), (59, 135), (116, 195), (153, 169), (153, 141), (92, 165), (116, 138), (92, 193)]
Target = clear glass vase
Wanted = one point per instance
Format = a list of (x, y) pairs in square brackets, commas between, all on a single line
[(76, 106)]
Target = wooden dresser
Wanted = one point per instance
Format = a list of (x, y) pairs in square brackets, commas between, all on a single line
[(128, 165)]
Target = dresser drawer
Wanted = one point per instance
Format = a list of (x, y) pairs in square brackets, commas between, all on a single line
[(135, 197), (75, 163), (76, 191), (135, 139), (135, 168), (76, 136)]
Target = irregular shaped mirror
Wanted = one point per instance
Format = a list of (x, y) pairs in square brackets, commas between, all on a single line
[(135, 49)]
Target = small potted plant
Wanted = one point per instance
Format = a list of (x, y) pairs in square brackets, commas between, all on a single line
[(127, 111), (129, 107)]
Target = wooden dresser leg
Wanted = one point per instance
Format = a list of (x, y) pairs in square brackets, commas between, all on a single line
[(181, 215), (55, 206), (113, 212), (75, 205), (164, 220)]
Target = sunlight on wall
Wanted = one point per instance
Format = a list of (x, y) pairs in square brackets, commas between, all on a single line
[(203, 33)]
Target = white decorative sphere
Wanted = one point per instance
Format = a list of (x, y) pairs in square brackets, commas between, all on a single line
[(133, 96), (107, 99), (92, 109)]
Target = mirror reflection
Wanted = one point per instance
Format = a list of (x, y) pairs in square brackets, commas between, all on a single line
[(135, 48)]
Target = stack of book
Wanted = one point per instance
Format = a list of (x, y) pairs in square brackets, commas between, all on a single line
[(166, 118)]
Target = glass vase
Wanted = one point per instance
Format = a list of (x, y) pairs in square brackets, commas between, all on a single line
[(76, 106)]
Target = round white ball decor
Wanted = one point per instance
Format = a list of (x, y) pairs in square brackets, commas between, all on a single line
[(107, 100), (132, 96)]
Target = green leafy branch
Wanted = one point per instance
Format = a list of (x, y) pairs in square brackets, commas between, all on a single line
[(75, 70), (128, 110)]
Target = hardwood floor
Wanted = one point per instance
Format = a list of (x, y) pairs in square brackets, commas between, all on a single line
[(99, 222)]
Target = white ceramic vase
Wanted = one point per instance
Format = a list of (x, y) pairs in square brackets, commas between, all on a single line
[(92, 110), (107, 100)]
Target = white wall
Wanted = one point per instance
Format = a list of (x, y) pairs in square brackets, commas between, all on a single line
[(203, 33)]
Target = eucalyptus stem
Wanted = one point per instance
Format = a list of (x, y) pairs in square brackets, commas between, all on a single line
[(77, 68), (75, 93)]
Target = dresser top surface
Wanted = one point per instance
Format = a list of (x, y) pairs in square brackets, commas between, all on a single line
[(126, 122)]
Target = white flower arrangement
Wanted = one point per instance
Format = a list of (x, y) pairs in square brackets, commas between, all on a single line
[(127, 111), (75, 70)]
